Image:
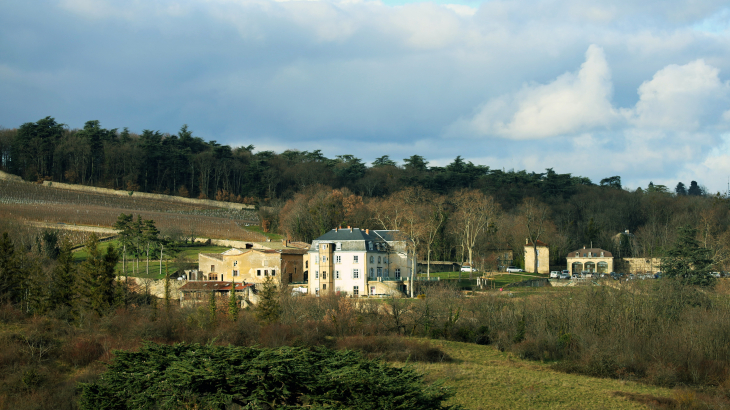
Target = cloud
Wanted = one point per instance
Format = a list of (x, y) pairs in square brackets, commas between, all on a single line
[(686, 97), (573, 103)]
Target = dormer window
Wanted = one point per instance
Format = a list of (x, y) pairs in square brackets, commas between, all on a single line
[(370, 245), (338, 247)]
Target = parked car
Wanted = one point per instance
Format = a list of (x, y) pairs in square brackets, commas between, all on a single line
[(513, 269), (565, 274), (467, 268), (554, 274)]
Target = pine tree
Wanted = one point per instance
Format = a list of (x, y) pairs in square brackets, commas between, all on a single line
[(269, 308), (688, 261), (96, 277), (233, 303), (212, 306), (10, 277), (64, 277)]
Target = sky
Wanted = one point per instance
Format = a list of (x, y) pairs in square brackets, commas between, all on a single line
[(595, 89)]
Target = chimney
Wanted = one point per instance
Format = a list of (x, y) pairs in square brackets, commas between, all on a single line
[(349, 227), (584, 246), (626, 232), (367, 231)]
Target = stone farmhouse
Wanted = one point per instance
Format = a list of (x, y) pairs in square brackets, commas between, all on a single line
[(358, 262), (252, 266)]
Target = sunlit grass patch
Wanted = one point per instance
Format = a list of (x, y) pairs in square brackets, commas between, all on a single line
[(484, 378)]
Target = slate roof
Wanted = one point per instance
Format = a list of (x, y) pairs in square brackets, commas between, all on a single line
[(596, 252)]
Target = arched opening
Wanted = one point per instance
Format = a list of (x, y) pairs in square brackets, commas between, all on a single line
[(577, 267), (590, 267), (602, 267)]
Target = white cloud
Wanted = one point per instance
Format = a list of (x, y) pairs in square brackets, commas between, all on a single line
[(680, 98), (573, 103)]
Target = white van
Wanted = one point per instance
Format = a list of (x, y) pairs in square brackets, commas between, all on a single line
[(467, 268)]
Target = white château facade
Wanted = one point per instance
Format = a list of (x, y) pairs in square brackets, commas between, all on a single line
[(358, 262)]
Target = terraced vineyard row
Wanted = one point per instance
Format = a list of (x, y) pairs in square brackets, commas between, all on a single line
[(25, 202)]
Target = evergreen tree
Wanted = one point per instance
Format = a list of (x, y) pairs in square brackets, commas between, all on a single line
[(10, 275), (63, 278), (268, 309), (680, 189), (233, 303), (694, 189), (96, 277), (212, 307), (688, 261)]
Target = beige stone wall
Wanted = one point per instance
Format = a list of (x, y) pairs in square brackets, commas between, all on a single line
[(206, 202), (253, 266), (639, 265), (543, 259)]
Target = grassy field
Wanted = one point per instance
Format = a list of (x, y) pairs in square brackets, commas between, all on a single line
[(484, 378), (496, 281), (190, 254)]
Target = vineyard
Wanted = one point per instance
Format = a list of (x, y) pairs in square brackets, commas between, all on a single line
[(24, 202)]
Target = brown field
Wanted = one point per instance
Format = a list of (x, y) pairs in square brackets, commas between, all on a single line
[(24, 202)]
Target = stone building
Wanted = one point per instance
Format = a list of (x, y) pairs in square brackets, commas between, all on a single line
[(358, 262), (543, 257), (593, 260), (284, 266)]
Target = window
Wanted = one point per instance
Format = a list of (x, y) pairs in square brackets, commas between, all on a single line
[(306, 264), (380, 271), (290, 278), (273, 272), (324, 286), (355, 290), (337, 274), (397, 273), (316, 274), (370, 246), (212, 268), (338, 247), (354, 258), (372, 259), (258, 272), (235, 263), (385, 260), (324, 275), (266, 272), (235, 273), (372, 273), (324, 259), (338, 259), (378, 259), (355, 274)]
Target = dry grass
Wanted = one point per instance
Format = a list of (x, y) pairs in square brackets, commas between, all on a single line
[(484, 378)]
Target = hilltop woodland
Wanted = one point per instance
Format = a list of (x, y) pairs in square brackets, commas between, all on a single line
[(460, 212)]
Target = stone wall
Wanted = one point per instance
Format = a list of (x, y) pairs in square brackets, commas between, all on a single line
[(194, 201)]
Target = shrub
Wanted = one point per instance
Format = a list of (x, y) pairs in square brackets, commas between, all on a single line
[(197, 376)]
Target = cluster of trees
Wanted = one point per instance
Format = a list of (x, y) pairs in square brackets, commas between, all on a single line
[(471, 226), (141, 238), (182, 164), (40, 285)]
